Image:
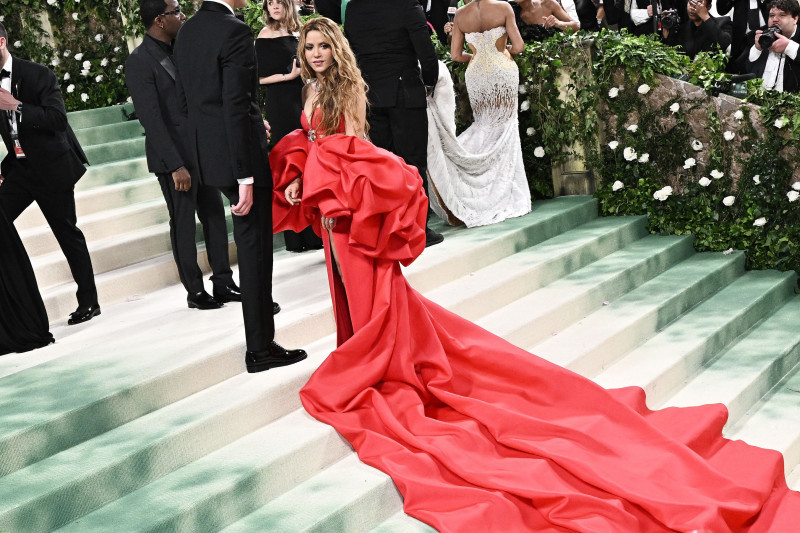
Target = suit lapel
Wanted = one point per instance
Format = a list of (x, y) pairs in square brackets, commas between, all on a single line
[(161, 58)]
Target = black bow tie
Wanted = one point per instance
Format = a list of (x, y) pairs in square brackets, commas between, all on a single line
[(4, 74)]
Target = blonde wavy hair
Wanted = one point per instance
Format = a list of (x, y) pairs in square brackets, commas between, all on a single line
[(341, 87), (291, 20)]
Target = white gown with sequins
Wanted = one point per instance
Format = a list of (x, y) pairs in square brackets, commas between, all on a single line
[(478, 177)]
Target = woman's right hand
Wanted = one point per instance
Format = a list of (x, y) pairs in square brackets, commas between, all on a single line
[(448, 28), (292, 192)]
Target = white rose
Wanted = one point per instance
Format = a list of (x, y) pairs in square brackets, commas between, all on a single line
[(643, 88), (796, 185), (760, 222), (729, 200), (85, 72), (629, 153), (67, 53), (530, 131), (104, 62), (117, 70), (662, 194), (689, 163), (617, 186), (74, 16), (644, 158), (613, 92), (78, 56), (99, 78), (632, 127), (51, 2), (613, 145), (84, 97), (675, 107), (716, 174), (66, 76), (2, 18), (17, 44), (728, 135), (70, 88), (539, 151), (793, 195), (116, 49), (757, 179), (704, 182), (525, 106), (738, 115), (98, 37), (522, 89), (697, 145), (87, 64), (779, 123)]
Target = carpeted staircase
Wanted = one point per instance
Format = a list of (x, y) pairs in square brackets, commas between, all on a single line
[(144, 419)]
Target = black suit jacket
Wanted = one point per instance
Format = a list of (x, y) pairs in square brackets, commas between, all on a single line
[(741, 11), (52, 151), (791, 67), (150, 75), (391, 40), (713, 34), (218, 94)]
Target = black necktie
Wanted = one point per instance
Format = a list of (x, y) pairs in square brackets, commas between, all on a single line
[(4, 74)]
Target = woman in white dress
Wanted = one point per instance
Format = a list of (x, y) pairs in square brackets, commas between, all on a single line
[(478, 177)]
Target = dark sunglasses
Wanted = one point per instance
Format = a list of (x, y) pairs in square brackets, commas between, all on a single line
[(176, 11)]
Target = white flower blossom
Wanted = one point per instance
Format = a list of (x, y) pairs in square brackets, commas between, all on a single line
[(728, 135), (530, 131), (760, 222), (74, 16), (70, 88), (116, 49), (796, 185), (539, 151), (757, 179), (780, 122), (104, 62), (2, 18), (117, 70), (87, 64), (613, 92), (729, 251), (643, 88), (51, 2), (629, 153), (98, 37), (85, 72), (522, 89), (78, 56), (716, 174), (67, 53), (55, 62), (99, 78), (662, 194), (84, 97), (728, 200), (617, 186), (66, 76), (17, 44), (704, 182), (739, 115), (632, 128), (689, 163), (793, 195), (613, 145), (525, 105), (675, 107), (644, 158), (697, 145)]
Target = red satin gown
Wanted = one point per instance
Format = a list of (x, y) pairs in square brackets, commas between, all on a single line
[(477, 434)]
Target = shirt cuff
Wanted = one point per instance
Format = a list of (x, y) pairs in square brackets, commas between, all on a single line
[(245, 181), (755, 53), (791, 49), (639, 16)]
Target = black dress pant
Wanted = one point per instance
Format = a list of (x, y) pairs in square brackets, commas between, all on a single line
[(402, 131), (58, 207), (207, 202), (253, 236)]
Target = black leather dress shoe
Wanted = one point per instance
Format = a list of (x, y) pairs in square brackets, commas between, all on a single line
[(202, 300), (83, 314), (275, 308), (274, 356), (432, 237), (231, 293)]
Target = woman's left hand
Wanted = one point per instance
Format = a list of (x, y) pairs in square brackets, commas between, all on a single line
[(328, 223)]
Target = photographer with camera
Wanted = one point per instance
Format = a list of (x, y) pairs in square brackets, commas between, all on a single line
[(773, 52), (699, 32)]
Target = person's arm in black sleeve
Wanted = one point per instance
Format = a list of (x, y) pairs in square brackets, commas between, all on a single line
[(417, 28)]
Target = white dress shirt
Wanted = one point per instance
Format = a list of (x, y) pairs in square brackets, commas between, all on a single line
[(6, 84), (773, 69)]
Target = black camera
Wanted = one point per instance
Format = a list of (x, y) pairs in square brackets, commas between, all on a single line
[(670, 19), (768, 38)]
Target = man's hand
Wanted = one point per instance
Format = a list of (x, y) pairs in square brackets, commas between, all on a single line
[(650, 10), (758, 36), (245, 200), (780, 44), (182, 179), (268, 128), (8, 102), (699, 9), (292, 192)]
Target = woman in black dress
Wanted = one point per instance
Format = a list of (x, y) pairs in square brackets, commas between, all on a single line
[(279, 75), (23, 319)]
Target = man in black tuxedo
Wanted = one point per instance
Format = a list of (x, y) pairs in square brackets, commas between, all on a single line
[(745, 20), (778, 65), (150, 75), (700, 31), (391, 40), (43, 164), (218, 95)]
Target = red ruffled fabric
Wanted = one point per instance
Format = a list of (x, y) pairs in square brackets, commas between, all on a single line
[(478, 434)]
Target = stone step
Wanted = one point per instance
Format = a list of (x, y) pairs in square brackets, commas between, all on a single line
[(567, 300), (742, 374), (402, 523), (666, 361), (347, 496), (117, 131), (793, 479), (597, 341), (113, 172), (102, 116), (115, 151)]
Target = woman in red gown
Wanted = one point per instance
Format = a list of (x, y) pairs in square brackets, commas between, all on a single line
[(478, 434)]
